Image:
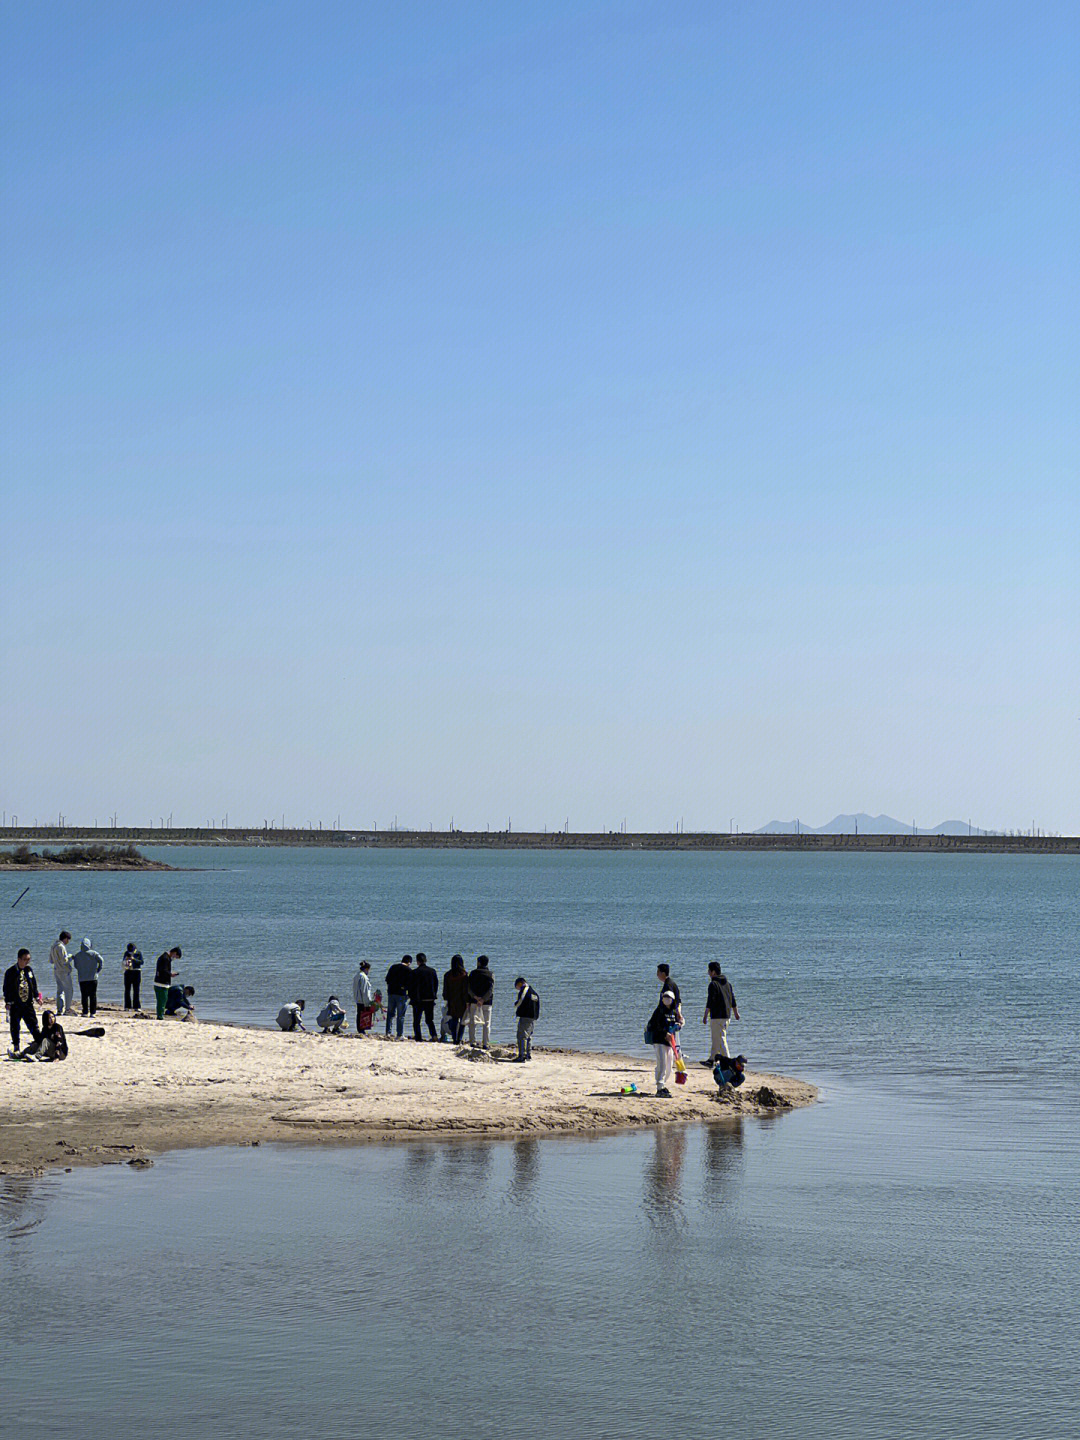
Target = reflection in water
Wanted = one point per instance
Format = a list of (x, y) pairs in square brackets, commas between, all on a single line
[(526, 1167), (663, 1173), (22, 1206), (723, 1157)]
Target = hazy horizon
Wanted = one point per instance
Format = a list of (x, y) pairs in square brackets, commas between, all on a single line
[(653, 413)]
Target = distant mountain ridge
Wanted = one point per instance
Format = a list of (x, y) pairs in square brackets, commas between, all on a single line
[(863, 824)]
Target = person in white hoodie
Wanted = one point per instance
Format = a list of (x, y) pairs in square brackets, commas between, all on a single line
[(363, 994), (88, 964), (61, 964)]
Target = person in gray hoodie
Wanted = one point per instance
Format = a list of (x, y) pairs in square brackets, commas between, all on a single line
[(87, 964), (61, 964)]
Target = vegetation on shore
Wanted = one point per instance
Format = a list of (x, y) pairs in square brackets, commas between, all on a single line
[(96, 857)]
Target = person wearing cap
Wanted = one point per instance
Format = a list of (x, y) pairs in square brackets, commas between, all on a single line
[(423, 992), (481, 995), (88, 965), (61, 964), (163, 978), (398, 986), (663, 1023), (720, 1007), (527, 1009)]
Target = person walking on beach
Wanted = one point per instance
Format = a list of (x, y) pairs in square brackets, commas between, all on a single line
[(663, 1023), (455, 991), (88, 965), (61, 964), (363, 996), (481, 995), (527, 1009), (290, 1017), (398, 986), (163, 978), (423, 993), (132, 963), (20, 992), (719, 1008)]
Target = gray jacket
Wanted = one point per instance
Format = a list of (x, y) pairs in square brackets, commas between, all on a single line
[(87, 962)]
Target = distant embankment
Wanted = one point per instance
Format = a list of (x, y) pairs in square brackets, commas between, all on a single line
[(550, 840)]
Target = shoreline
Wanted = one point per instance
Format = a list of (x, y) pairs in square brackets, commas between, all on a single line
[(170, 1085)]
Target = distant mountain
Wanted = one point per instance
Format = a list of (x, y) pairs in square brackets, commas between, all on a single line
[(863, 824)]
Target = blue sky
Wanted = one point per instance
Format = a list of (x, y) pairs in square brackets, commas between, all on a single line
[(548, 411)]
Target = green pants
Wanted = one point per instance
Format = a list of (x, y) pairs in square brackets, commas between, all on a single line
[(161, 994)]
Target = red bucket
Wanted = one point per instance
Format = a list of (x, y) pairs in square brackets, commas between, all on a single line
[(680, 1077)]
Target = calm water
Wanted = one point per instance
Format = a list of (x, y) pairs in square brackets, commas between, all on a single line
[(901, 1260)]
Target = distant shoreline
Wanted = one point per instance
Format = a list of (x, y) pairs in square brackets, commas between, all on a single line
[(552, 840)]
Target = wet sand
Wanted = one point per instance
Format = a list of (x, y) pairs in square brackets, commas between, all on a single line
[(150, 1086)]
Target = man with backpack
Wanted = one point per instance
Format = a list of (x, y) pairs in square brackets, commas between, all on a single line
[(527, 1009)]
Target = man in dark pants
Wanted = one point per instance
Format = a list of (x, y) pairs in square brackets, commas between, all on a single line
[(398, 986), (20, 992), (423, 993), (88, 965)]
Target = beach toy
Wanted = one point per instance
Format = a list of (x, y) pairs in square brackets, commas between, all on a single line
[(628, 1090)]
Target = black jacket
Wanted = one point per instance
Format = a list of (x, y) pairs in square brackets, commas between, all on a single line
[(425, 985), (163, 969), (481, 986), (455, 991), (721, 999), (51, 1044), (399, 979), (12, 979), (527, 1004)]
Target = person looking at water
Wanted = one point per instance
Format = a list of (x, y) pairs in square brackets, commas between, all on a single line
[(455, 991), (423, 993), (163, 977), (20, 992), (132, 966), (289, 1017), (362, 992), (719, 1008), (331, 1017), (527, 1009), (61, 963), (481, 996), (51, 1044), (88, 965), (398, 986), (179, 998), (663, 1023), (663, 974)]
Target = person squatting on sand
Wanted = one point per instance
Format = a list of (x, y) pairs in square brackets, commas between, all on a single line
[(289, 1016), (423, 992), (61, 963), (88, 965), (132, 964), (163, 978), (51, 1044), (179, 999), (20, 992), (331, 1017), (720, 1007), (527, 1009), (398, 986), (663, 1025), (481, 987)]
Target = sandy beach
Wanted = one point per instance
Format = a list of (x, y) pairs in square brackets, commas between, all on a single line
[(148, 1086)]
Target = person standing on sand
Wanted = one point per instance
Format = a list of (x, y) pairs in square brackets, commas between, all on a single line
[(132, 963), (363, 995), (719, 1008), (61, 964), (481, 995), (663, 974), (88, 965), (163, 977), (398, 986), (20, 992), (455, 991), (662, 1025), (527, 1009), (423, 993)]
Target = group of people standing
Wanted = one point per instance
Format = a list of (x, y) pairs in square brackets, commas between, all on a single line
[(667, 1020)]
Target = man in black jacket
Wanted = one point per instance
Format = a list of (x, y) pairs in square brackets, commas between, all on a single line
[(719, 1008), (423, 992), (527, 1008), (398, 988), (20, 992), (481, 994)]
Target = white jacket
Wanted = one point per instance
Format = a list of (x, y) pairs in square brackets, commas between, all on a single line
[(363, 994)]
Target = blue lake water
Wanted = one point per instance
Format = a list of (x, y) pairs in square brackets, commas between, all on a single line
[(900, 1260)]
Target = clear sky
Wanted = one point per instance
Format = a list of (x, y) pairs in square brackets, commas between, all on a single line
[(540, 411)]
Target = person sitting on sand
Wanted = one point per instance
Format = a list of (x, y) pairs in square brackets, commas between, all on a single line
[(481, 995), (179, 999), (663, 1023), (289, 1016), (331, 1017), (51, 1044)]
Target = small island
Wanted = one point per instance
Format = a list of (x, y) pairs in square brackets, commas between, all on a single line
[(80, 857)]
